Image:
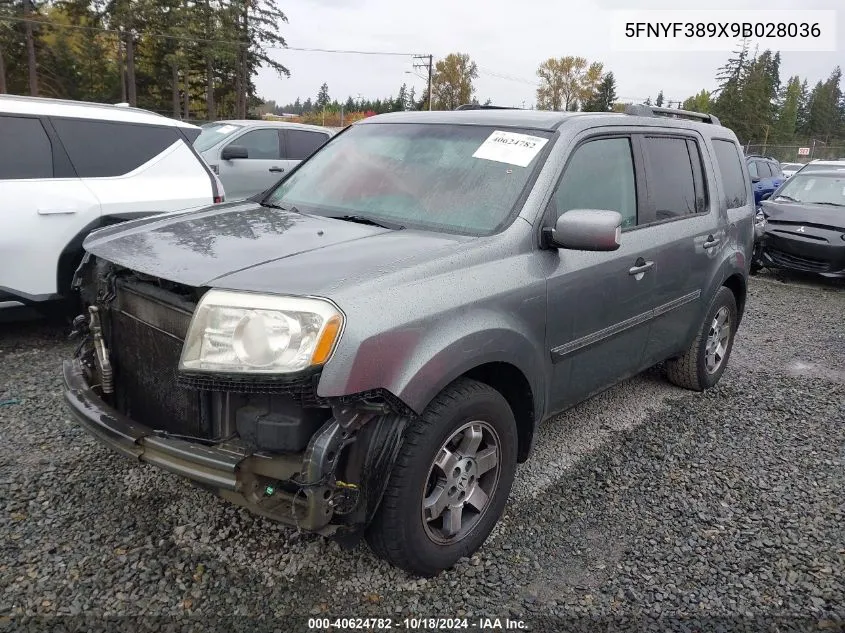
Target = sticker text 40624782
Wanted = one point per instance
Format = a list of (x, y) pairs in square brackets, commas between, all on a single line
[(512, 148)]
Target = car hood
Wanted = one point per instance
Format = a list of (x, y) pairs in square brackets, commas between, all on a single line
[(247, 246), (800, 213)]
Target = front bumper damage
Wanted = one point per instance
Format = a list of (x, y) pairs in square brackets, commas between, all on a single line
[(299, 489), (819, 251)]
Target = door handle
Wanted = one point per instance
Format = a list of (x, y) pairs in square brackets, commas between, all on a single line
[(640, 268), (56, 210), (711, 242), (277, 170)]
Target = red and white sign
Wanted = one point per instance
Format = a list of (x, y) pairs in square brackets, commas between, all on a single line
[(803, 151)]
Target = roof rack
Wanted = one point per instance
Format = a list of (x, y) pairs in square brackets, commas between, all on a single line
[(761, 156), (478, 106), (652, 111)]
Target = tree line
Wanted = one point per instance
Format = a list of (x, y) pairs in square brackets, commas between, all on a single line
[(186, 58), (760, 107), (196, 59)]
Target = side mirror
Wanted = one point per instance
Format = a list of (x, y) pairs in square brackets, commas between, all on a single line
[(755, 178), (586, 230), (231, 152), (766, 195)]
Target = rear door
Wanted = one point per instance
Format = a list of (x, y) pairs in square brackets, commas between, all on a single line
[(300, 144), (43, 206), (684, 214), (264, 165), (135, 169)]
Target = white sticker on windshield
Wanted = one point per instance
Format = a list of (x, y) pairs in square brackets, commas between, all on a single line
[(226, 129), (510, 148)]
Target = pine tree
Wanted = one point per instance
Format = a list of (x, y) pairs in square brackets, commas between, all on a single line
[(786, 124), (659, 101), (604, 97), (323, 97)]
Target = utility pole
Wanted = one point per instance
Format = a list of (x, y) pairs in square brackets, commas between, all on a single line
[(429, 64)]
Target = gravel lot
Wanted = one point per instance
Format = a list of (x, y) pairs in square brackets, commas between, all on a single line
[(645, 504)]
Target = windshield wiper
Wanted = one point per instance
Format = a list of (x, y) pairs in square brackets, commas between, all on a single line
[(362, 219), (783, 197), (831, 204), (280, 207)]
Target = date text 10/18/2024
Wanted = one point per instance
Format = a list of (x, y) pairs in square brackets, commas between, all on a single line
[(385, 624)]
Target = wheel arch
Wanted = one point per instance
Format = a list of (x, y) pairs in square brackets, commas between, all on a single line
[(72, 253), (738, 285)]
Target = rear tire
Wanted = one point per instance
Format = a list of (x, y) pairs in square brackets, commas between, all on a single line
[(451, 480), (703, 363)]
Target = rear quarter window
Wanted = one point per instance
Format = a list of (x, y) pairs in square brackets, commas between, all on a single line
[(101, 149), (732, 175)]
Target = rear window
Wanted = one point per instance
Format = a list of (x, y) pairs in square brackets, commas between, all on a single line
[(732, 175), (101, 149), (674, 192), (32, 152), (302, 143)]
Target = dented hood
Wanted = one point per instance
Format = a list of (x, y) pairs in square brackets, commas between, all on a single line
[(247, 246)]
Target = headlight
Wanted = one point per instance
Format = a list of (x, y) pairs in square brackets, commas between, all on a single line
[(260, 334), (760, 219)]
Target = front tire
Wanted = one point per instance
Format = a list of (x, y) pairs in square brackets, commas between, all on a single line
[(704, 362), (451, 480)]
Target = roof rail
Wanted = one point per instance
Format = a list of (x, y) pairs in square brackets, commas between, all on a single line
[(652, 111), (478, 106)]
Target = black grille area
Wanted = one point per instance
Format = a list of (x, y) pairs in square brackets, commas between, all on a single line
[(146, 360), (303, 389), (797, 262)]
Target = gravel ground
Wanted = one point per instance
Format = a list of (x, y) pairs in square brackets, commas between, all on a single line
[(647, 504)]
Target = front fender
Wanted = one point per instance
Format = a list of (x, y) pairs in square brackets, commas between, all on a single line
[(416, 363)]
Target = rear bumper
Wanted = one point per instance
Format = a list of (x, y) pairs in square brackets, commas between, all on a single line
[(230, 470)]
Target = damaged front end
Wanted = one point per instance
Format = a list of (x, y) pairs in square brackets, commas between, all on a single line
[(268, 442)]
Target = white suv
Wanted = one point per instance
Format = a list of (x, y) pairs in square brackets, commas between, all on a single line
[(69, 167)]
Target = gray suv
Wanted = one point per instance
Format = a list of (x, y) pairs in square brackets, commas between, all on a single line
[(369, 349)]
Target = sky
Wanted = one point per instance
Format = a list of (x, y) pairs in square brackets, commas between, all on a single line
[(507, 40)]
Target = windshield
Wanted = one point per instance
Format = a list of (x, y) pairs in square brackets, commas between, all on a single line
[(826, 189), (213, 133), (791, 166), (451, 178)]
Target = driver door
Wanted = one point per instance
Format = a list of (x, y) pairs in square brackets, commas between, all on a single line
[(244, 177), (599, 303)]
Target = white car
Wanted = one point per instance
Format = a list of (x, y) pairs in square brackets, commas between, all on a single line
[(789, 169), (825, 165), (69, 167)]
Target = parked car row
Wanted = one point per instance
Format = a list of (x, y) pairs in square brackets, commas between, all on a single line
[(366, 349), (70, 167)]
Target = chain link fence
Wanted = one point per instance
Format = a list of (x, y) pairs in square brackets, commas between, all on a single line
[(802, 153)]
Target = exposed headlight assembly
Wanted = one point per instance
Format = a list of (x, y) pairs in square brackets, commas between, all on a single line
[(760, 219), (248, 333)]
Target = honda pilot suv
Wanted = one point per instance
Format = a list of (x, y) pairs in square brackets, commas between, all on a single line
[(368, 349)]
